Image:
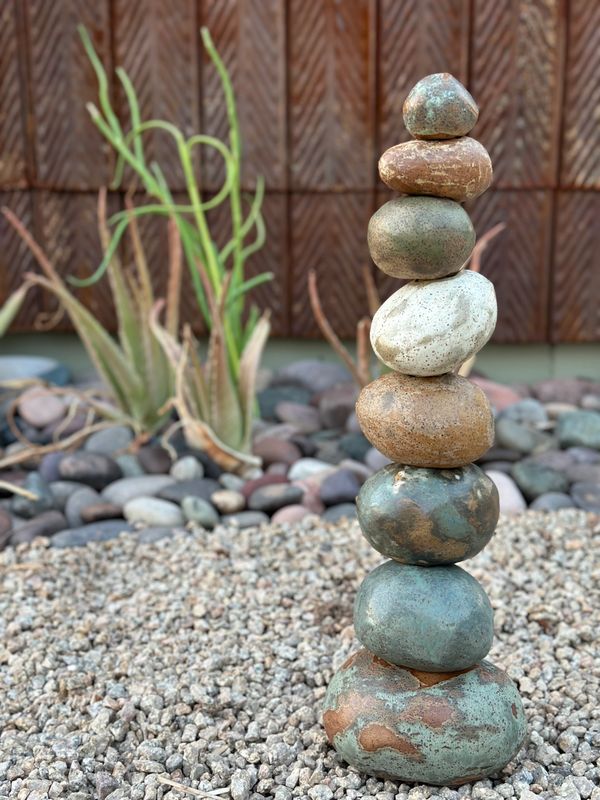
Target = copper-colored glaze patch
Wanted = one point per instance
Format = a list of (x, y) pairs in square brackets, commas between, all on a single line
[(391, 678), (431, 711), (375, 737), (431, 678), (515, 713), (338, 720)]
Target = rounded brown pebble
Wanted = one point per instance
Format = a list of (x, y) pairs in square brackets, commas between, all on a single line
[(439, 107), (420, 238), (459, 169), (443, 421)]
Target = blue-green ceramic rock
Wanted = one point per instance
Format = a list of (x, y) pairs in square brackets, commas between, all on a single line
[(428, 516), (437, 619), (394, 723), (439, 107)]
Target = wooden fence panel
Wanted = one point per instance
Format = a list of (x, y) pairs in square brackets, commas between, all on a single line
[(13, 88), (15, 258), (250, 38), (576, 306), (331, 94), (320, 86), (581, 118), (69, 151), (516, 61), (157, 45)]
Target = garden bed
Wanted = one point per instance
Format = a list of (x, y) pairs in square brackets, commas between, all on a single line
[(314, 460), (199, 663)]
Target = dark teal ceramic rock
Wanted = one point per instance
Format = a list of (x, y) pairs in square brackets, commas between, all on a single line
[(437, 619), (439, 107), (393, 723), (428, 516)]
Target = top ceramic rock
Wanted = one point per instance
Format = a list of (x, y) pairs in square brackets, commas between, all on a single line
[(432, 327), (439, 107)]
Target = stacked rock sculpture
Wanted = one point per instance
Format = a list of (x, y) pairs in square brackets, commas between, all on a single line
[(419, 703)]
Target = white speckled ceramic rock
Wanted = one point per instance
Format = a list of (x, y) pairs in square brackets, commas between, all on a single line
[(432, 327)]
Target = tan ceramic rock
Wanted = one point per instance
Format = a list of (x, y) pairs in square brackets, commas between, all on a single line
[(459, 169), (432, 327), (420, 238), (439, 107), (445, 421)]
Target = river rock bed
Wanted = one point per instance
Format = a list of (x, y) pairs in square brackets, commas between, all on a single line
[(315, 458), (143, 670)]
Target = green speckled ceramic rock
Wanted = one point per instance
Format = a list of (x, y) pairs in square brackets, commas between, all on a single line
[(420, 238), (428, 516), (439, 107), (392, 723), (437, 619)]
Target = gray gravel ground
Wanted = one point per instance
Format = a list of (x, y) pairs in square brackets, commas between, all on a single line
[(202, 661)]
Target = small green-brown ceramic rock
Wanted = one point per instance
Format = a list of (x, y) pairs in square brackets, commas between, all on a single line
[(428, 516), (439, 107), (443, 421), (420, 238), (437, 619), (445, 730), (459, 169)]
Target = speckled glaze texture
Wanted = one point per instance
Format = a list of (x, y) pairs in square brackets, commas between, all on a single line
[(432, 327), (428, 516), (436, 619), (439, 107), (459, 169), (445, 421), (420, 238), (394, 723)]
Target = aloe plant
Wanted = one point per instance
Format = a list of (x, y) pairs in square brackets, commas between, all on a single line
[(214, 268), (134, 367)]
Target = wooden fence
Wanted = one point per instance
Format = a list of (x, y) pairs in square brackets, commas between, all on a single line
[(320, 85)]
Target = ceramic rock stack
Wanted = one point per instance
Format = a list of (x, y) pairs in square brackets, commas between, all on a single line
[(419, 703)]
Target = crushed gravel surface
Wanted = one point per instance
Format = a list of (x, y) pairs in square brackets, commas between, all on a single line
[(195, 666)]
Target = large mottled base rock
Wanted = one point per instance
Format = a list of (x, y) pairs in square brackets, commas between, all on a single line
[(443, 729)]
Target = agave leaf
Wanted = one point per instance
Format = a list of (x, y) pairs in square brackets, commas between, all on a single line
[(249, 364), (225, 414), (118, 372), (196, 383), (200, 435), (11, 307)]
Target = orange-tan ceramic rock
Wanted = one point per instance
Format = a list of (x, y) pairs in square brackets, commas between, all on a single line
[(443, 421), (459, 169)]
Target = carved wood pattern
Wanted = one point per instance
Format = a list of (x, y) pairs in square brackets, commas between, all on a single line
[(69, 152), (581, 150), (516, 261), (328, 235), (576, 310), (15, 258), (157, 45), (516, 61), (331, 94), (250, 38), (13, 142), (66, 227)]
